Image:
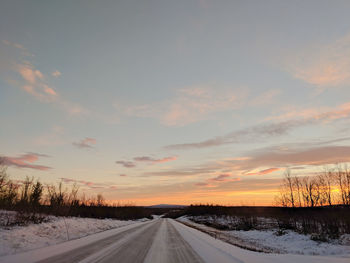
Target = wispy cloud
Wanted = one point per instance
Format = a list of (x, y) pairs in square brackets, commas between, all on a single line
[(323, 66), (149, 159), (265, 171), (265, 130), (308, 156), (85, 143), (56, 74), (25, 161), (34, 82), (126, 164), (145, 159), (216, 181), (221, 178), (89, 184), (189, 105), (20, 71), (245, 135)]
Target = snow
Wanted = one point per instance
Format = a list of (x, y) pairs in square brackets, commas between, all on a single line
[(211, 250), (267, 240), (17, 239), (215, 250), (35, 255)]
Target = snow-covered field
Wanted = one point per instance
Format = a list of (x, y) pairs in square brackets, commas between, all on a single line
[(268, 241), (15, 239)]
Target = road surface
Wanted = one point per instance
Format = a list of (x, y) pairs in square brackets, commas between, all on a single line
[(156, 241)]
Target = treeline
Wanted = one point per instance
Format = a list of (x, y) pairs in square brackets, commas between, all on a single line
[(328, 188), (31, 199)]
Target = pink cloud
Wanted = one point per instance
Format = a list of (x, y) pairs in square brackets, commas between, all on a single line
[(34, 83), (25, 161), (146, 159), (323, 66), (85, 143), (313, 156), (188, 105), (89, 184), (266, 171), (153, 160), (196, 103)]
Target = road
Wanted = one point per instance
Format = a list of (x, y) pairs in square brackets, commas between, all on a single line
[(156, 241)]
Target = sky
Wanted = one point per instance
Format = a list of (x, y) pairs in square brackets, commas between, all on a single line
[(177, 102)]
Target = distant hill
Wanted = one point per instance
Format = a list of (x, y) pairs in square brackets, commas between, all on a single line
[(166, 206)]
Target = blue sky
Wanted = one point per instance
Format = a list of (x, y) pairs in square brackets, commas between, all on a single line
[(163, 101)]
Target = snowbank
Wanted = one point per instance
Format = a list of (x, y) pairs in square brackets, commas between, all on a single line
[(267, 240), (22, 238)]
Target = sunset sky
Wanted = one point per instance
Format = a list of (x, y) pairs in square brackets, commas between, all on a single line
[(180, 102)]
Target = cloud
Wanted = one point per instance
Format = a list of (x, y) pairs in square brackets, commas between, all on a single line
[(85, 143), (265, 130), (34, 82), (265, 171), (202, 184), (245, 135), (19, 71), (126, 164), (307, 156), (25, 161), (88, 184), (184, 171), (145, 159), (56, 74), (323, 66), (266, 97), (221, 178), (153, 160), (189, 105)]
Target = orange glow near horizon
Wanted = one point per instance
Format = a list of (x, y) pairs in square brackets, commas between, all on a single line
[(238, 198)]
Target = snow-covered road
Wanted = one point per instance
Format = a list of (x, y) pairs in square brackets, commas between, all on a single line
[(156, 241)]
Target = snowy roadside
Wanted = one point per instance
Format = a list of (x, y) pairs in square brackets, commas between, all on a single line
[(15, 239), (268, 241)]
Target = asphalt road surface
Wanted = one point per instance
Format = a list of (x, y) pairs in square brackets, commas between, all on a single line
[(157, 241)]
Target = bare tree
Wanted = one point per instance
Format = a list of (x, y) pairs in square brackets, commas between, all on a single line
[(298, 186), (289, 183)]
